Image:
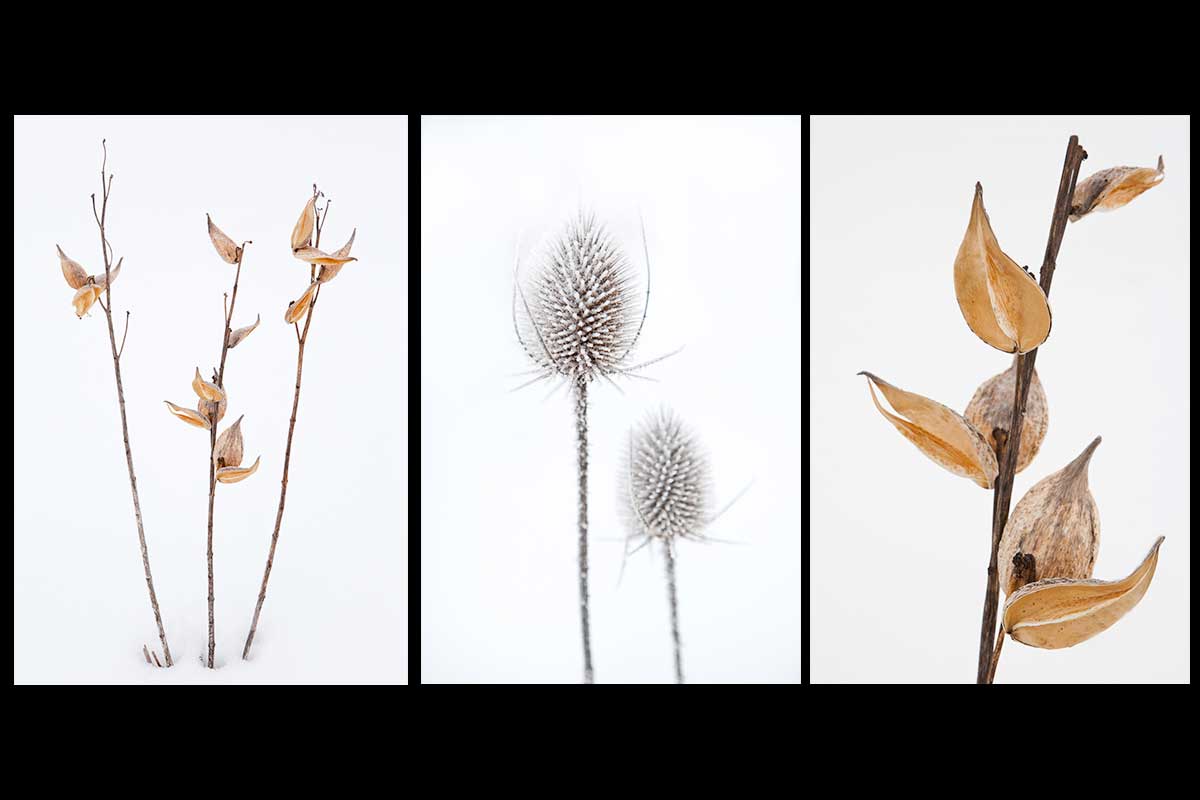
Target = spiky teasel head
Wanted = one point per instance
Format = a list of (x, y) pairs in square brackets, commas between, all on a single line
[(666, 481), (579, 309)]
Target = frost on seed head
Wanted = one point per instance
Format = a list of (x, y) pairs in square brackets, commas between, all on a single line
[(666, 481), (578, 313)]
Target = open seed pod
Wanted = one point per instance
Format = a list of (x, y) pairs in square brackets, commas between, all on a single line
[(999, 300), (228, 452), (209, 409), (235, 474), (1112, 188), (298, 308), (189, 416), (319, 257), (940, 433), (236, 337), (1061, 612), (206, 390), (329, 271), (992, 405), (72, 270), (1057, 523), (113, 272), (84, 298), (302, 232), (225, 246)]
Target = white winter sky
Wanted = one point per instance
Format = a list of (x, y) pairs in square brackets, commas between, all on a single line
[(336, 608), (722, 206), (899, 546)]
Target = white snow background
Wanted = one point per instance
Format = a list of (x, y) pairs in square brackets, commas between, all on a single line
[(336, 607), (721, 201)]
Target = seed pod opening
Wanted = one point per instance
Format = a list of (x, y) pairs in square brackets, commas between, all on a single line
[(225, 246), (228, 451), (236, 337), (189, 416), (302, 231), (1057, 522), (235, 474), (212, 411), (666, 480), (113, 272), (1000, 302), (206, 390), (991, 408), (72, 270), (1112, 188), (84, 298), (942, 434), (312, 255), (1062, 612), (329, 271), (299, 307)]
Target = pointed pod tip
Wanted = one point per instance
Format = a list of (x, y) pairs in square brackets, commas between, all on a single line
[(978, 188)]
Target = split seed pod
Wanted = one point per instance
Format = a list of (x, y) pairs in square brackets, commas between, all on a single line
[(228, 452), (297, 308), (241, 333), (302, 232), (206, 390), (189, 416), (1060, 612), (666, 483), (113, 272), (235, 474), (226, 248), (991, 408), (1112, 188), (942, 434), (1057, 523), (999, 300), (329, 271), (84, 298), (320, 258), (209, 409), (72, 270)]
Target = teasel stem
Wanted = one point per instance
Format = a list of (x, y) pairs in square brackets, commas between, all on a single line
[(301, 340), (670, 548), (106, 249), (1025, 364), (581, 433)]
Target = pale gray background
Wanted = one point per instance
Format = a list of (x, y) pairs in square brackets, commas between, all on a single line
[(336, 610), (899, 546), (721, 201)]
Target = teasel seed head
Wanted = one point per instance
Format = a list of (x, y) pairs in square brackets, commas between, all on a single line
[(666, 481)]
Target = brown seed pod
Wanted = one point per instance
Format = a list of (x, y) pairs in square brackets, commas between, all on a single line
[(1057, 523), (991, 408), (226, 248), (236, 337), (84, 298), (298, 308), (235, 474), (939, 432), (1000, 301), (319, 257), (206, 390), (302, 232), (228, 452), (100, 280), (329, 271), (189, 416), (1061, 612), (72, 270), (1112, 188), (208, 409)]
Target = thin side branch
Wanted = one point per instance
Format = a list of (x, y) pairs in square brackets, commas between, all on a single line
[(121, 351)]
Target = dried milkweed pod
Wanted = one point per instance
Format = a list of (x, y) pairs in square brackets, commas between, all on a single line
[(236, 337), (991, 408), (319, 257), (235, 474), (999, 300), (1112, 188), (225, 246), (103, 282), (1057, 523), (84, 298), (942, 434), (228, 450), (72, 270), (302, 232), (212, 411), (329, 271), (1062, 612), (297, 308), (206, 390), (189, 416)]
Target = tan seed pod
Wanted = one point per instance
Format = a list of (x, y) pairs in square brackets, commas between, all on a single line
[(236, 337), (1112, 188), (228, 452), (1057, 523), (189, 416), (329, 271), (1000, 301), (84, 298), (99, 279), (208, 409), (939, 432), (302, 232), (235, 474), (298, 308), (312, 255), (206, 390), (226, 249), (991, 408), (1061, 612), (72, 270)]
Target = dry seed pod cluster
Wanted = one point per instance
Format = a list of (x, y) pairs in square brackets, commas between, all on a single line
[(327, 265), (991, 408), (1112, 188), (210, 409), (88, 288)]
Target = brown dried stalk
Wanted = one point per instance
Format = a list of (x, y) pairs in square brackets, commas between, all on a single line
[(1008, 460), (106, 251), (301, 339)]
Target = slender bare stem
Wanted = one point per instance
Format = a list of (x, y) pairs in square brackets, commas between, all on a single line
[(670, 548), (1025, 364), (581, 433), (116, 356), (121, 351), (991, 675)]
